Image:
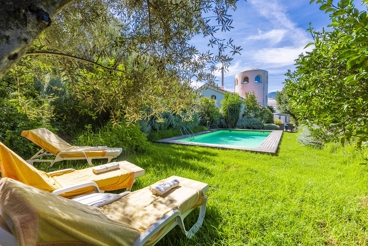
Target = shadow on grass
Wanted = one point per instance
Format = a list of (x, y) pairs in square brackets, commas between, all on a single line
[(207, 234), (169, 159)]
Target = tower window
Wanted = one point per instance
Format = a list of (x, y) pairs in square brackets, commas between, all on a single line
[(245, 80), (257, 79)]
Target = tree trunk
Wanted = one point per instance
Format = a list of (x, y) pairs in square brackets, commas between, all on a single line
[(21, 21)]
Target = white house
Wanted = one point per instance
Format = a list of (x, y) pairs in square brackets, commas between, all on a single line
[(253, 80), (215, 92)]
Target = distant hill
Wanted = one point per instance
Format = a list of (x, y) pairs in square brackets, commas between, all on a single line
[(272, 95)]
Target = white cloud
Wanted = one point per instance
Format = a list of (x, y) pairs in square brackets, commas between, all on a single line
[(196, 84), (275, 13), (283, 56), (232, 69), (273, 36)]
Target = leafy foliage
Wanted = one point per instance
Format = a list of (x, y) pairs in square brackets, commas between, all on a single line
[(12, 123), (329, 86), (271, 127), (18, 114), (134, 52), (282, 99), (306, 138), (266, 115), (252, 109), (129, 137), (219, 123), (208, 111), (167, 120), (271, 109), (172, 133), (231, 106), (249, 123)]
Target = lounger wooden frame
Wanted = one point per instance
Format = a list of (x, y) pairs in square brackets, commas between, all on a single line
[(52, 145)]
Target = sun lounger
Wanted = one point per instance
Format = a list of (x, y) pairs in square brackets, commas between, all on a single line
[(52, 145), (13, 166), (33, 216)]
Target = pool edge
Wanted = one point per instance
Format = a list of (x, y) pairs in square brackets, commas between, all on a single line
[(270, 145)]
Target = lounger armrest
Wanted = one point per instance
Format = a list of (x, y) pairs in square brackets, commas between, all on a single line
[(77, 187), (153, 229), (179, 220), (61, 172)]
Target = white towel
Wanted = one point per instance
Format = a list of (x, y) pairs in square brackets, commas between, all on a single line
[(161, 188)]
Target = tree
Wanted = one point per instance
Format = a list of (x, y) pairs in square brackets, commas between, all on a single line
[(208, 110), (251, 106), (329, 87), (135, 52), (252, 109), (231, 106), (283, 101), (143, 26)]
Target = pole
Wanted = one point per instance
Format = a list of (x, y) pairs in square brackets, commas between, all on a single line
[(222, 76)]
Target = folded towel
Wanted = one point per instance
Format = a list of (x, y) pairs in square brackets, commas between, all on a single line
[(106, 167), (161, 188)]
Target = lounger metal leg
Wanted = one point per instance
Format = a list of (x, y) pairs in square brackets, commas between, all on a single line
[(197, 225)]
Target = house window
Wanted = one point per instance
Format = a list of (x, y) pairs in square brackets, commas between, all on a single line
[(245, 80), (213, 97), (257, 79)]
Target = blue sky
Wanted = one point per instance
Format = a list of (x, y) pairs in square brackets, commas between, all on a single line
[(272, 34)]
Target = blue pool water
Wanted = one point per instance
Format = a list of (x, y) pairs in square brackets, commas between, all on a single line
[(250, 139)]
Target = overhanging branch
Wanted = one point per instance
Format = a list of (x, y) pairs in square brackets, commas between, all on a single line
[(37, 53)]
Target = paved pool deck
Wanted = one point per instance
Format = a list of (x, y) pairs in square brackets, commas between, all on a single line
[(270, 145)]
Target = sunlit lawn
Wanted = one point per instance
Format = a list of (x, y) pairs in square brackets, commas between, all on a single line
[(303, 196)]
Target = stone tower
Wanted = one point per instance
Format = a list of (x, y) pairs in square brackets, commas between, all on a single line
[(253, 80)]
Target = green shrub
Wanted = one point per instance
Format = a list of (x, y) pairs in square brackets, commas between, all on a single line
[(153, 136), (278, 121), (145, 127), (208, 112), (231, 106), (12, 123), (128, 137), (249, 123), (218, 123), (169, 121), (266, 115), (306, 138), (271, 127)]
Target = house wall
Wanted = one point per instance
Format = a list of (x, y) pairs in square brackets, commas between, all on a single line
[(209, 92), (284, 117), (259, 89)]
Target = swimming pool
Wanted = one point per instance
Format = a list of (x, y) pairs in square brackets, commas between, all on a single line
[(250, 139), (259, 141)]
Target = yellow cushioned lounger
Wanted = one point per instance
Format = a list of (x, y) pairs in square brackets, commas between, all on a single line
[(53, 145), (13, 166), (35, 217)]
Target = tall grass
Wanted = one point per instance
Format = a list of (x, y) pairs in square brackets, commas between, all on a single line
[(302, 196)]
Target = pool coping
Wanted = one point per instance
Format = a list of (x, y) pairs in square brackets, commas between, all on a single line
[(269, 145)]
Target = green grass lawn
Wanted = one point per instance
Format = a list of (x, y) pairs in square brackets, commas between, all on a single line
[(302, 196)]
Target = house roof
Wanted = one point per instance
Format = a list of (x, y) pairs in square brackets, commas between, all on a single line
[(252, 69), (216, 88)]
